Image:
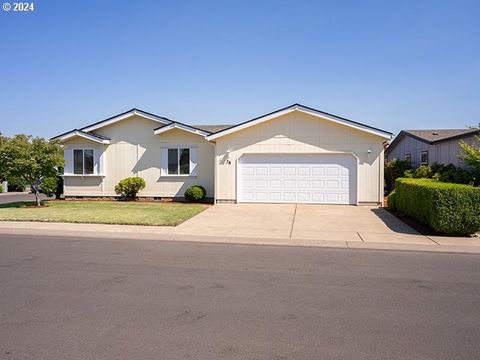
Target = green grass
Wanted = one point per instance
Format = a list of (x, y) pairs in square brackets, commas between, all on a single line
[(102, 212)]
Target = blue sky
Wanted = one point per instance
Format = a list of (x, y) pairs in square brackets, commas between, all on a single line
[(393, 65)]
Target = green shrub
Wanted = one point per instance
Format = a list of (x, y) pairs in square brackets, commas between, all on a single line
[(423, 172), (452, 209), (52, 186), (195, 193), (16, 185), (1, 189), (128, 188), (49, 186), (391, 200), (393, 170)]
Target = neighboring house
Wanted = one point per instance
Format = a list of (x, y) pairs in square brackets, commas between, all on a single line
[(424, 147), (295, 154)]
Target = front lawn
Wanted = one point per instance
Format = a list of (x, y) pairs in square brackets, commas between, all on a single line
[(102, 212)]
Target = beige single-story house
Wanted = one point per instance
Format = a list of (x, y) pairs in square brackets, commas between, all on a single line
[(293, 155)]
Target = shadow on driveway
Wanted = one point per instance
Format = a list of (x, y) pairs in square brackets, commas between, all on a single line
[(393, 223)]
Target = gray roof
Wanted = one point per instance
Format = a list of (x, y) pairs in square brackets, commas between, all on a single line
[(212, 128), (440, 134), (433, 136)]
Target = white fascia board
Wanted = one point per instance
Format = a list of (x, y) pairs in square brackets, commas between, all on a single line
[(248, 124), (85, 136), (125, 116), (181, 127), (345, 122), (304, 110)]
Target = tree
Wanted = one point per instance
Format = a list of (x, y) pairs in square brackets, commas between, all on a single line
[(393, 170), (30, 160), (471, 155), (2, 169)]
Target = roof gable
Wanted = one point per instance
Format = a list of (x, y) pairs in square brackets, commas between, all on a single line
[(89, 136), (184, 127), (125, 115), (304, 109)]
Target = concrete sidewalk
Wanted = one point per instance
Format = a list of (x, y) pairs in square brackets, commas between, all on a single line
[(378, 241)]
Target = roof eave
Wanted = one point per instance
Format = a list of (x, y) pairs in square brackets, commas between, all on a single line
[(297, 107), (80, 133), (175, 125)]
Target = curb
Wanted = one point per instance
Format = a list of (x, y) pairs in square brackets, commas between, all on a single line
[(30, 230)]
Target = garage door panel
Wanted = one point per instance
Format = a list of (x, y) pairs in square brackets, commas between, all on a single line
[(247, 170), (303, 184), (333, 184), (332, 171), (329, 179), (275, 171), (303, 171), (275, 184), (289, 171), (318, 171), (289, 184), (261, 195), (275, 196), (261, 171), (318, 184)]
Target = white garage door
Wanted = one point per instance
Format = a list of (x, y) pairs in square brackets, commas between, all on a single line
[(321, 179)]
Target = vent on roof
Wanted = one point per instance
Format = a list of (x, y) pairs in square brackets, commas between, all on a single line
[(434, 133)]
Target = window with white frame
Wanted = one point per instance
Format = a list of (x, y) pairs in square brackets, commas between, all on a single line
[(178, 161), (424, 158), (83, 163)]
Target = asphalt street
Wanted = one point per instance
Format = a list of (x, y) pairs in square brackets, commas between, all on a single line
[(74, 298), (16, 197)]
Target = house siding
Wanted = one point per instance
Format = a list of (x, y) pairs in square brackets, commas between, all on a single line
[(135, 151), (445, 152), (297, 133)]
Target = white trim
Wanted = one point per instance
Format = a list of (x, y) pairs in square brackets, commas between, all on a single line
[(181, 127), (179, 147), (95, 170), (84, 175), (125, 116), (306, 111), (237, 173), (84, 135)]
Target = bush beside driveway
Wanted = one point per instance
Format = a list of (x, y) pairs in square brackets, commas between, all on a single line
[(102, 212), (451, 209)]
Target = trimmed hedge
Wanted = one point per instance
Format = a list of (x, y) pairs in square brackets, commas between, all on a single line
[(129, 187), (195, 193), (452, 209)]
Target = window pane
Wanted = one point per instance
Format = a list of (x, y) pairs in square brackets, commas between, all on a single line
[(88, 161), (424, 157), (173, 161), (78, 161), (184, 161)]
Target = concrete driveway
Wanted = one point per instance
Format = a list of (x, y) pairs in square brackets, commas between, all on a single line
[(301, 221)]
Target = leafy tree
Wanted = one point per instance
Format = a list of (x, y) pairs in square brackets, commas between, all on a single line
[(471, 155), (2, 169), (30, 160), (393, 170)]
